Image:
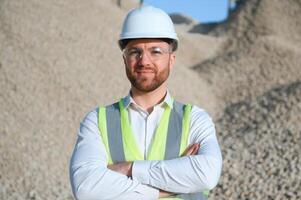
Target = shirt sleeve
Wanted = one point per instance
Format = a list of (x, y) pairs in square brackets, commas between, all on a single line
[(187, 174), (89, 176)]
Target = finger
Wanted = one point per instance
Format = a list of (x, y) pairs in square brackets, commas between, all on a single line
[(195, 149), (112, 167), (187, 150), (191, 149)]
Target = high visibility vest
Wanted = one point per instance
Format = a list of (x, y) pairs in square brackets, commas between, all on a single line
[(120, 144)]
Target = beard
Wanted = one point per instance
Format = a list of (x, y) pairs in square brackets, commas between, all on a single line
[(147, 83)]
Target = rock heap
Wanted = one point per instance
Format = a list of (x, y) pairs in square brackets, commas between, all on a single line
[(261, 145)]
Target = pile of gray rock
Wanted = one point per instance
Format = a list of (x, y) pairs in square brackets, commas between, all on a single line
[(261, 145)]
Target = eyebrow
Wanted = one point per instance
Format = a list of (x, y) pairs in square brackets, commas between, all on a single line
[(151, 47), (157, 43)]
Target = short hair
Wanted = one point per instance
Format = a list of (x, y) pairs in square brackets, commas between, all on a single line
[(171, 42)]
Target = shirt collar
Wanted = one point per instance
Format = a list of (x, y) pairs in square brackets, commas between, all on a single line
[(168, 100)]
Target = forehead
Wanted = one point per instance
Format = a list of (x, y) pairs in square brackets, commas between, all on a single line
[(147, 43)]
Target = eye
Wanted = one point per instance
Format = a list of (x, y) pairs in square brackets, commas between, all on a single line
[(133, 52), (156, 51)]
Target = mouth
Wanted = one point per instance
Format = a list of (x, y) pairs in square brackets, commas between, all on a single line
[(145, 71)]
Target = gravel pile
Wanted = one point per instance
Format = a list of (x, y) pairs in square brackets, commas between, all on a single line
[(53, 66), (261, 145), (257, 78), (262, 51)]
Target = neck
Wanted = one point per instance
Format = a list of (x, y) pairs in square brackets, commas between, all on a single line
[(147, 100)]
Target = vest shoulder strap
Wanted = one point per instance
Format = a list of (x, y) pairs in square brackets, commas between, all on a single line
[(110, 129), (175, 133)]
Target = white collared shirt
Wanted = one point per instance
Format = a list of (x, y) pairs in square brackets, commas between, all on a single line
[(91, 179)]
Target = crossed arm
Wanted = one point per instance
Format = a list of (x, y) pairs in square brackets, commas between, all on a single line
[(125, 168), (91, 177)]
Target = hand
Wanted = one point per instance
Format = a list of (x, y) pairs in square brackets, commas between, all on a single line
[(163, 194), (191, 150), (124, 168)]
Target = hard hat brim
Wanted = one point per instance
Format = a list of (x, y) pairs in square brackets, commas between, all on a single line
[(123, 42)]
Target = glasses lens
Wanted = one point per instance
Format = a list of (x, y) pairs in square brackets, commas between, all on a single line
[(154, 53), (132, 54)]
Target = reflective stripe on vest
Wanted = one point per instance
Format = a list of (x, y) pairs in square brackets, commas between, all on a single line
[(120, 143)]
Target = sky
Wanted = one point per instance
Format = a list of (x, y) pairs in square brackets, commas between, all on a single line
[(204, 11)]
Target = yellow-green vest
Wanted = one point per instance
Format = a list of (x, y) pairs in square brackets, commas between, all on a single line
[(120, 144)]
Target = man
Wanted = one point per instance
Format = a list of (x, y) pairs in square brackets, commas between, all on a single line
[(147, 145)]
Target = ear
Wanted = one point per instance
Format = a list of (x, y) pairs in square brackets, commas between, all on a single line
[(124, 61), (172, 60)]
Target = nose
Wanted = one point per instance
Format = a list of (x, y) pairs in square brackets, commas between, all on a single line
[(144, 58)]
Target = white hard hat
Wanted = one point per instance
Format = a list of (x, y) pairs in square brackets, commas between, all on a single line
[(147, 22)]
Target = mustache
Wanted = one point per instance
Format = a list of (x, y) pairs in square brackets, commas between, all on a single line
[(142, 68)]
